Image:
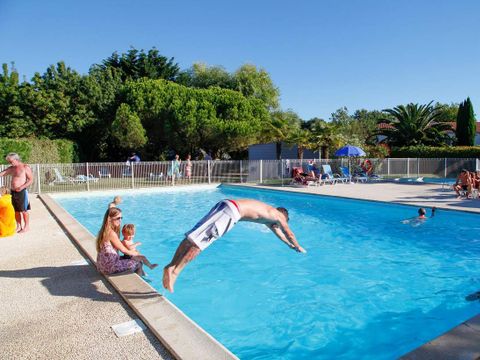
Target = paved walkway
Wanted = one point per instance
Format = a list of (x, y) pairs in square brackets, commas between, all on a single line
[(51, 309)]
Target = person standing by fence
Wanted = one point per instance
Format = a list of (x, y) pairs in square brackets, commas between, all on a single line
[(188, 168), (22, 178)]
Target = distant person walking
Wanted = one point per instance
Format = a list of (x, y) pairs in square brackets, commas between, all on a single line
[(134, 158), (22, 178)]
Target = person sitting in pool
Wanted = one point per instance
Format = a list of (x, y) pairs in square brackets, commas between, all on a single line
[(221, 219), (128, 232), (420, 219), (108, 245), (463, 183)]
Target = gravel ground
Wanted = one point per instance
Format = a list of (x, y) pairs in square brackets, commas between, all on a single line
[(51, 309)]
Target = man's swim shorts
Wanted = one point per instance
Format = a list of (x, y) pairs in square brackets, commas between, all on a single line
[(221, 219), (20, 200)]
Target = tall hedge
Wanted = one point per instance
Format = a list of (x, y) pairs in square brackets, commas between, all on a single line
[(36, 151), (436, 152)]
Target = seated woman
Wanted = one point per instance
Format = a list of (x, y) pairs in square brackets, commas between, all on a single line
[(8, 224), (108, 245), (301, 177)]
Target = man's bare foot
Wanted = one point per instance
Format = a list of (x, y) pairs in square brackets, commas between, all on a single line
[(153, 266), (23, 230), (169, 278)]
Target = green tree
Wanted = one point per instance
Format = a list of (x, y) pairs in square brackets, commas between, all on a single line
[(203, 76), (252, 82), (278, 128), (303, 139), (127, 129), (326, 136), (466, 124), (414, 124), (448, 112), (135, 64)]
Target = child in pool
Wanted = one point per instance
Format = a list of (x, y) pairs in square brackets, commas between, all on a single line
[(420, 219), (116, 201), (128, 232)]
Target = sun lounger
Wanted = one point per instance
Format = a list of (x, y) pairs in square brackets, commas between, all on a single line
[(329, 176)]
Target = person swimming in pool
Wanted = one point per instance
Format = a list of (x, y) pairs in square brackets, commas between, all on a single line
[(420, 219), (221, 219)]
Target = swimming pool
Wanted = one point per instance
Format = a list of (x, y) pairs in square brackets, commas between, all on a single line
[(369, 287)]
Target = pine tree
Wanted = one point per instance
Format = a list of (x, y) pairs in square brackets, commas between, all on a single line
[(471, 124), (466, 124)]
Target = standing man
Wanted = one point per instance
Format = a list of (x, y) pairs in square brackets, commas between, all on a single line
[(22, 177), (221, 219)]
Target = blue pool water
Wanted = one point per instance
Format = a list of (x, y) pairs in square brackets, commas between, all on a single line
[(369, 287), (428, 180)]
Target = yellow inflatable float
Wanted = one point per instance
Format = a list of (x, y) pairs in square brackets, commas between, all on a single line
[(8, 225)]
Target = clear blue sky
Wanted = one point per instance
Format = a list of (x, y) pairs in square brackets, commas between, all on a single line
[(322, 54)]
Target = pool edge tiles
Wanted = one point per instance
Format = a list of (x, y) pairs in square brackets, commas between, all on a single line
[(177, 332)]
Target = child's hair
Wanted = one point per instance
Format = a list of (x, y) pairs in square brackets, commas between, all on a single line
[(421, 212), (4, 190), (117, 200), (128, 230)]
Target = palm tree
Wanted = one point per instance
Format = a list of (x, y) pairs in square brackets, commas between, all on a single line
[(414, 124), (302, 138), (281, 125), (326, 136)]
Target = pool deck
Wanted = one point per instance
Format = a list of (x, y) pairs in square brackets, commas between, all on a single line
[(54, 307)]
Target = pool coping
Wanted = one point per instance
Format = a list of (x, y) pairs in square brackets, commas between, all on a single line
[(182, 337), (460, 342)]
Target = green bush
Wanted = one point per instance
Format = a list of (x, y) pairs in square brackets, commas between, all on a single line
[(436, 152), (40, 151)]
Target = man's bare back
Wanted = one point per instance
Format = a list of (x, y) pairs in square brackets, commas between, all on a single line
[(218, 221)]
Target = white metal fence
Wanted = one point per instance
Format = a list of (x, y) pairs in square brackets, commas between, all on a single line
[(104, 176)]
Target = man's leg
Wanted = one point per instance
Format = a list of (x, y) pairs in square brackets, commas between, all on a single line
[(26, 221), (18, 219), (186, 252)]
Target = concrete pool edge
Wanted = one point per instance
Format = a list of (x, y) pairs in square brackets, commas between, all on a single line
[(177, 332)]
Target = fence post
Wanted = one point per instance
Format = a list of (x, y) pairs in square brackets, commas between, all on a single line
[(388, 167), (261, 171), (418, 168), (88, 178), (241, 171), (408, 167), (208, 171), (281, 170), (38, 179), (132, 170), (445, 168)]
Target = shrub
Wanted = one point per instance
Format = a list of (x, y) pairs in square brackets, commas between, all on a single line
[(38, 151), (436, 152)]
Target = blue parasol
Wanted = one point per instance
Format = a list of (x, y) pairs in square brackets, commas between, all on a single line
[(350, 150)]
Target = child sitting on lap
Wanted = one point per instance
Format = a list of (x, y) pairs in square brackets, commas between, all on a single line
[(128, 232)]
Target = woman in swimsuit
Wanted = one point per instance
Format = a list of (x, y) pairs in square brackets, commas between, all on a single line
[(108, 245)]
